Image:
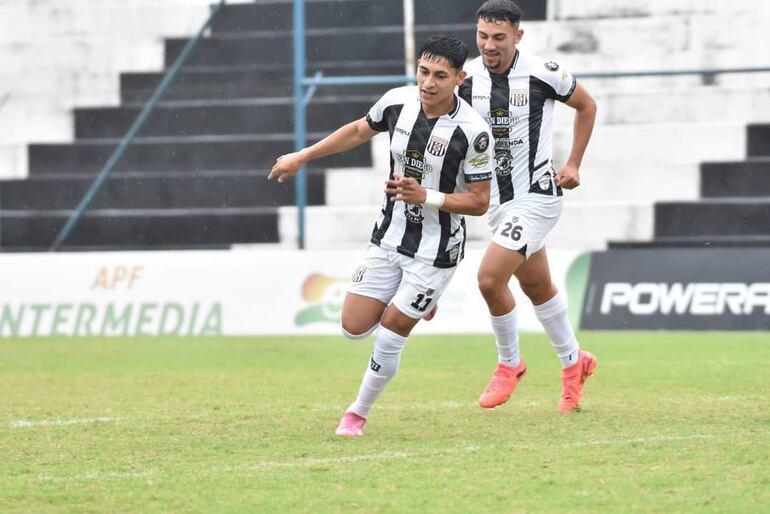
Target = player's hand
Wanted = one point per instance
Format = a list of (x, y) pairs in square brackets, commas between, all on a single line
[(568, 177), (405, 188), (286, 166)]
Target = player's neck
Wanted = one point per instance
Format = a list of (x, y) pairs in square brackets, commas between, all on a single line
[(440, 109)]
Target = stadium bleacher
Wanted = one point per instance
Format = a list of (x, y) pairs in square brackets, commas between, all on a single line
[(194, 177)]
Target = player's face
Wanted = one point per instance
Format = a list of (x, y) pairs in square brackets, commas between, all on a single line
[(497, 42), (437, 80)]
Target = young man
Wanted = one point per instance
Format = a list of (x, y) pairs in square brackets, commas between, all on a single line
[(440, 169), (516, 92)]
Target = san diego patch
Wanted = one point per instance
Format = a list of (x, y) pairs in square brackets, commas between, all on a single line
[(481, 143)]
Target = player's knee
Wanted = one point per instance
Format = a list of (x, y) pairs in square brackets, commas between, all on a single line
[(356, 329), (353, 330), (538, 291), (488, 283)]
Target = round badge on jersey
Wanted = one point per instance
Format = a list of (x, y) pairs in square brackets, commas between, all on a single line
[(482, 142), (551, 66)]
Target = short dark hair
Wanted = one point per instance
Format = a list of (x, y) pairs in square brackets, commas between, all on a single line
[(500, 10), (447, 47)]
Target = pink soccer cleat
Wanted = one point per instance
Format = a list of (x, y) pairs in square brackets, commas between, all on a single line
[(502, 385), (573, 379), (351, 425), (431, 314)]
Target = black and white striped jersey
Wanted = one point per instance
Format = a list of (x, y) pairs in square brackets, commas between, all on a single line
[(443, 154), (518, 105)]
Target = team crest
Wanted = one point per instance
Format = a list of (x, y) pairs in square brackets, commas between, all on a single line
[(413, 212), (551, 66), (454, 253), (519, 97), (544, 181), (481, 143), (437, 146)]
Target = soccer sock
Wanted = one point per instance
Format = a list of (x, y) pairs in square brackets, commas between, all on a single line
[(383, 365), (506, 332), (553, 316)]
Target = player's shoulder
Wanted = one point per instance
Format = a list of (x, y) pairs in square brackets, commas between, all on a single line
[(400, 95), (469, 119), (541, 67), (474, 66)]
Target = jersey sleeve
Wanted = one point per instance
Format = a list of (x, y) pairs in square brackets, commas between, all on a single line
[(561, 80), (479, 159), (376, 115)]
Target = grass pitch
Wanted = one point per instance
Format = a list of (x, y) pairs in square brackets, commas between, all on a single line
[(671, 422)]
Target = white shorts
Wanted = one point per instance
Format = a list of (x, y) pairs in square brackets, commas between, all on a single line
[(412, 286), (522, 225)]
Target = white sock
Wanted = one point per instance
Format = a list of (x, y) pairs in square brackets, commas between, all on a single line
[(383, 365), (553, 316), (506, 332)]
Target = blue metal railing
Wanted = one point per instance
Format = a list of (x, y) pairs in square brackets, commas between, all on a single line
[(139, 122)]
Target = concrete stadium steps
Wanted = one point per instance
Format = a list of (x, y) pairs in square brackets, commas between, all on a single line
[(726, 217), (583, 225), (278, 16), (233, 84), (248, 116), (168, 190), (57, 19), (352, 13), (140, 229), (748, 178), (759, 140), (592, 9), (707, 104), (190, 153)]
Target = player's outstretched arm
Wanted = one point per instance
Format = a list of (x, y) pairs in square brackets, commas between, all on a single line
[(585, 107), (473, 202), (344, 138)]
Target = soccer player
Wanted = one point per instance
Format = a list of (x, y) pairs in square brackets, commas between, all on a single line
[(515, 92), (440, 168)]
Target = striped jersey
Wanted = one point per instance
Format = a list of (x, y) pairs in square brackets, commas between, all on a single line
[(518, 105), (443, 154)]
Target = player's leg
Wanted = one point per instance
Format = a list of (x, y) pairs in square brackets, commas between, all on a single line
[(371, 288), (506, 253), (551, 310), (420, 287)]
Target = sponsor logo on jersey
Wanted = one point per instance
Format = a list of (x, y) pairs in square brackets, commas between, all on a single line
[(413, 212), (481, 97), (551, 66), (504, 164), (437, 146), (479, 161), (403, 132), (414, 164), (481, 143), (519, 97), (500, 121)]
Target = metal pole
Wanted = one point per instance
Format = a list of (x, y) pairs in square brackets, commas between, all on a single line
[(409, 50), (300, 122), (139, 122)]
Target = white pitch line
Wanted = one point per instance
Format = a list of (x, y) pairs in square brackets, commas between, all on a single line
[(347, 459), (27, 423)]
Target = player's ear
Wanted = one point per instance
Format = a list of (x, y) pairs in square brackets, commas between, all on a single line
[(519, 33), (461, 77)]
